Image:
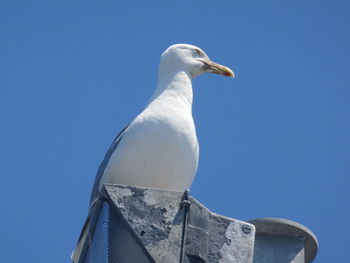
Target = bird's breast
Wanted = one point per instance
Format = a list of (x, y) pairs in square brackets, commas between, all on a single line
[(159, 151)]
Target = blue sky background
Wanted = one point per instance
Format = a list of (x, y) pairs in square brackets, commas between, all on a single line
[(274, 141)]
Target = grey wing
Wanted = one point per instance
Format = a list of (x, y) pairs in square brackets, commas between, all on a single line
[(102, 167), (94, 200)]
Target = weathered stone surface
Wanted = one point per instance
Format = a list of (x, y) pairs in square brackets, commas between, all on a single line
[(155, 216), (230, 242), (169, 226), (217, 239)]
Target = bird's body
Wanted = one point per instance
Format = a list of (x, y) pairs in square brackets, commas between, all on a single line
[(159, 148)]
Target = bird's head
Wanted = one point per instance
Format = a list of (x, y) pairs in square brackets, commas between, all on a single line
[(193, 60)]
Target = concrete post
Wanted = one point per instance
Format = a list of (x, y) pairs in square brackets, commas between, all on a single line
[(142, 225)]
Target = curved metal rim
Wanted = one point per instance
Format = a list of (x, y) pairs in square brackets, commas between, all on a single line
[(281, 226)]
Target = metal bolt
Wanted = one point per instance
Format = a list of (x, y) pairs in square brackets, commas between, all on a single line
[(246, 229)]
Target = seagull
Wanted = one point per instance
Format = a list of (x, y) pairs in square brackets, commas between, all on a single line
[(159, 148)]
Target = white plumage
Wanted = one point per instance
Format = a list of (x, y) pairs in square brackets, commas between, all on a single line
[(159, 148)]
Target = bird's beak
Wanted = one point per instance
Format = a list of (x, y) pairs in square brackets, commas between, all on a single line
[(212, 67)]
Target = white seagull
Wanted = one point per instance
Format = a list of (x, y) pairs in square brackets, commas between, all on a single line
[(159, 148)]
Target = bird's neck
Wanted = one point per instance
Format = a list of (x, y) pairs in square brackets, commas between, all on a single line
[(174, 85)]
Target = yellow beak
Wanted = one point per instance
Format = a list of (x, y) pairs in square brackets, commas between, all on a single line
[(212, 67)]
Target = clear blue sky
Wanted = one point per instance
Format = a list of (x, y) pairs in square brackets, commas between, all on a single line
[(275, 141)]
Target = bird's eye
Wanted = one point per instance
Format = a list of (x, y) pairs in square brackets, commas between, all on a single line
[(198, 52)]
